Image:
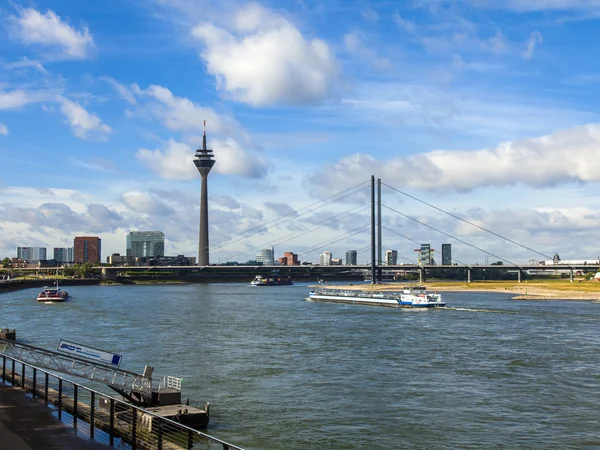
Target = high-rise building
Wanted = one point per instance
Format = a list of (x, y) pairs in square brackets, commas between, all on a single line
[(204, 161), (291, 259), (325, 258), (31, 253), (425, 255), (447, 254), (266, 256), (391, 257), (87, 249), (63, 254), (351, 258), (145, 244)]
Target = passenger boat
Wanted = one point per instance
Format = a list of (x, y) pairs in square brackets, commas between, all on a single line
[(52, 294), (274, 279), (409, 297)]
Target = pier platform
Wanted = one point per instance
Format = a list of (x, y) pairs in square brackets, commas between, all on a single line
[(28, 424)]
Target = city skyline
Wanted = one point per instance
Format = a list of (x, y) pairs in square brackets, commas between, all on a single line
[(483, 109)]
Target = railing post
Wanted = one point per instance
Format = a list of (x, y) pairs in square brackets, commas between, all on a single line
[(46, 388), (111, 425), (75, 407), (60, 383), (3, 369), (190, 440), (133, 428), (92, 413), (23, 375), (225, 447), (34, 381), (160, 435), (12, 373)]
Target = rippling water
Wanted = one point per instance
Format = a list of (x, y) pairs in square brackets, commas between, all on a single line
[(281, 372)]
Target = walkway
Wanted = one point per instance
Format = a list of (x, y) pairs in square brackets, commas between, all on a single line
[(28, 424)]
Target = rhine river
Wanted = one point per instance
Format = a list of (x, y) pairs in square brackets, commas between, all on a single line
[(284, 373)]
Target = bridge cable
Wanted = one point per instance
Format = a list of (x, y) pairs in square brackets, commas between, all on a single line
[(294, 215), (468, 222), (296, 235), (450, 236), (349, 234), (418, 243)]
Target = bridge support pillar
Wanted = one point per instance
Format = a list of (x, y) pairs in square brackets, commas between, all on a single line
[(468, 275), (519, 275), (109, 274), (571, 277)]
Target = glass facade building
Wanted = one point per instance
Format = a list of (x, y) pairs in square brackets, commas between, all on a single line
[(351, 258), (31, 253), (391, 257), (447, 254), (63, 254), (144, 244)]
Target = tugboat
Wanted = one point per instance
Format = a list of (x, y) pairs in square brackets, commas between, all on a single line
[(274, 279), (52, 294)]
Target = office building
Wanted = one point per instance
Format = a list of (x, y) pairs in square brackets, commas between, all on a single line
[(425, 256), (63, 254), (447, 254), (289, 259), (351, 258), (31, 253), (145, 244), (87, 249), (266, 256), (391, 257), (325, 258)]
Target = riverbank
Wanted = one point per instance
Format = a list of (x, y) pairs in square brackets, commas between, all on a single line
[(531, 290)]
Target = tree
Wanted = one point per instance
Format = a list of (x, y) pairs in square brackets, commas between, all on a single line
[(6, 263)]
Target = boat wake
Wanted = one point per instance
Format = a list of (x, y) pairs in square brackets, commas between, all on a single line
[(481, 310)]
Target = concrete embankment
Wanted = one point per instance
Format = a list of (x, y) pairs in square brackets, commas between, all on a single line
[(557, 297), (15, 285)]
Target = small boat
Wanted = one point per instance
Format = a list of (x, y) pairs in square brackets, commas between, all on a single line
[(274, 279), (410, 297), (52, 294)]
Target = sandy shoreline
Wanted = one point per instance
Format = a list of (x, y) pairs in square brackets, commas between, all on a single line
[(521, 292)]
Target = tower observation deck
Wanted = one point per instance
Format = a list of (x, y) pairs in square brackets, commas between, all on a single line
[(204, 161)]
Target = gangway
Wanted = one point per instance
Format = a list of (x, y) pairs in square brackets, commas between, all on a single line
[(136, 388)]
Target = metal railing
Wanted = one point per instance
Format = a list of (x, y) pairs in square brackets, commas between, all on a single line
[(102, 418)]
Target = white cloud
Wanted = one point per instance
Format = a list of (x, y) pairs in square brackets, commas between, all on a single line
[(19, 97), (49, 30), (144, 203), (266, 60), (567, 156), (406, 25), (3, 130), (355, 45), (84, 124), (25, 63), (123, 91), (175, 161), (534, 39)]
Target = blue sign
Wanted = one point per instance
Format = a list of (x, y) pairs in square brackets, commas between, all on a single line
[(90, 353)]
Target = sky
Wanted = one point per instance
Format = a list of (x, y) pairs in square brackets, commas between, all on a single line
[(484, 109)]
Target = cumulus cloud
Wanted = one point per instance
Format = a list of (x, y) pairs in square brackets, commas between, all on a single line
[(3, 130), (281, 209), (144, 203), (175, 161), (226, 201), (123, 91), (534, 39), (264, 59), (562, 157), (49, 30), (19, 98), (84, 124)]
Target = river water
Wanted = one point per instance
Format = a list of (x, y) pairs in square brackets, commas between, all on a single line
[(284, 373)]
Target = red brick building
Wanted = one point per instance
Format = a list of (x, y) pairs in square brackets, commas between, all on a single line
[(289, 259), (87, 249)]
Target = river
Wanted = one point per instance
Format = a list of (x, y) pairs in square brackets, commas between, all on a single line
[(284, 373)]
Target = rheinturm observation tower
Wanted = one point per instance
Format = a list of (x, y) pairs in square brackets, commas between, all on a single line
[(204, 160)]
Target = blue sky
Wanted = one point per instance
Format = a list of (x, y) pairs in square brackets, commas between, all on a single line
[(487, 109)]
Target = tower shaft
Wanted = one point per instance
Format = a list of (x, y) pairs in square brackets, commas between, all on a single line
[(203, 258)]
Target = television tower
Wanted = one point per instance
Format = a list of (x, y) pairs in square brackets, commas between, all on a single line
[(204, 160)]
